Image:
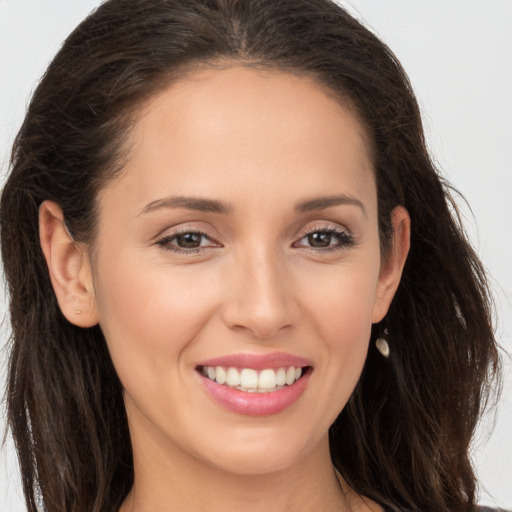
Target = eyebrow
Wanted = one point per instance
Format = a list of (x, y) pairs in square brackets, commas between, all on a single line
[(214, 206), (321, 203), (190, 203)]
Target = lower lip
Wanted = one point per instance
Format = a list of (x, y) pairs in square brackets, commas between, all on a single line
[(256, 404)]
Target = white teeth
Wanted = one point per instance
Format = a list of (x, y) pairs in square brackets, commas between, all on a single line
[(220, 375), (290, 375), (267, 379), (250, 380), (281, 377), (233, 377)]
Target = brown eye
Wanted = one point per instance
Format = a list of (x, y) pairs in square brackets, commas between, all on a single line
[(189, 240), (326, 239), (320, 239)]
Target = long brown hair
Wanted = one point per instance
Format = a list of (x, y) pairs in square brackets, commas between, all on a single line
[(404, 436)]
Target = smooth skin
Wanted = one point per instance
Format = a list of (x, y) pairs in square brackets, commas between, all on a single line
[(175, 281)]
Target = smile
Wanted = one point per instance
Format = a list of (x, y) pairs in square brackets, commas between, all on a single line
[(255, 384), (250, 380)]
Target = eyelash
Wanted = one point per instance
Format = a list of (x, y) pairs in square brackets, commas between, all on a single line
[(165, 241), (344, 239)]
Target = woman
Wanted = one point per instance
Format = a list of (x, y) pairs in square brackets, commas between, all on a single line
[(235, 279)]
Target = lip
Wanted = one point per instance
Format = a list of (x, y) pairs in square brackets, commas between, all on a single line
[(257, 361), (256, 404)]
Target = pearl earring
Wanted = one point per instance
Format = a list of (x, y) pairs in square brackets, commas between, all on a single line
[(382, 344)]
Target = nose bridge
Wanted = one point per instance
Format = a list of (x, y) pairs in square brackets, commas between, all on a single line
[(259, 299)]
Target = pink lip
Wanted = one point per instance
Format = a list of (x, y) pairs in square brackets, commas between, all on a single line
[(257, 361), (256, 404)]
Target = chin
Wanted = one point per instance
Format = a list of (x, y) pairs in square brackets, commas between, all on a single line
[(263, 452)]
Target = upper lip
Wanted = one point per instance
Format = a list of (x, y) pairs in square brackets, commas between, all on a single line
[(257, 361)]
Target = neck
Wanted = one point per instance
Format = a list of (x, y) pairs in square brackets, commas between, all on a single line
[(169, 478)]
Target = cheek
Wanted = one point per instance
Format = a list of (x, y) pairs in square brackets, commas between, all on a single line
[(149, 314), (340, 307), (341, 299), (345, 327)]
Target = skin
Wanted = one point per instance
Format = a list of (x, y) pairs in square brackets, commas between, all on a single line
[(261, 142)]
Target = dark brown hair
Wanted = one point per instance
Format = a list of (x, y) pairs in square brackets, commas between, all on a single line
[(404, 436)]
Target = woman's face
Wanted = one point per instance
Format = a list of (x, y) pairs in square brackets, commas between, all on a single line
[(240, 241)]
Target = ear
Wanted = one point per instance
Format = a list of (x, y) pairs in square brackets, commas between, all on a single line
[(391, 268), (69, 267)]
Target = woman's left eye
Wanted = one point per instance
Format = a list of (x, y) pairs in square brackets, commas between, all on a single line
[(188, 241), (326, 239)]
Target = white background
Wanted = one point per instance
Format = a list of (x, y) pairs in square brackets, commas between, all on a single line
[(458, 54)]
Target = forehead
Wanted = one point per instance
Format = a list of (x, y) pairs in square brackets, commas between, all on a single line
[(228, 129)]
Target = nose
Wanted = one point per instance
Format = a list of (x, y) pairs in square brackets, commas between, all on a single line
[(258, 297)]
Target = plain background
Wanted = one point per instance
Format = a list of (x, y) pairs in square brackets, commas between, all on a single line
[(458, 54)]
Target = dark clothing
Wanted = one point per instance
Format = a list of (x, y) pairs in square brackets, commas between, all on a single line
[(477, 509)]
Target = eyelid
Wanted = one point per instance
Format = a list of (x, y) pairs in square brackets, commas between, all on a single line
[(188, 226), (324, 227)]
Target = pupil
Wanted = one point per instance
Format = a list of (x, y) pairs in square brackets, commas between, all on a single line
[(189, 240), (320, 239)]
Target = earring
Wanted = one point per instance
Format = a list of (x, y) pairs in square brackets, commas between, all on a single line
[(382, 344)]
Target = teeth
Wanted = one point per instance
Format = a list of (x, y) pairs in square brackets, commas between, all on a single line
[(220, 375), (248, 378), (233, 377), (252, 381), (267, 379), (290, 376), (281, 377)]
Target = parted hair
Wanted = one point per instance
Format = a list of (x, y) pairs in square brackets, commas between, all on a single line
[(403, 438)]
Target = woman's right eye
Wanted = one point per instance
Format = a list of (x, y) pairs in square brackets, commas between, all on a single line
[(186, 242)]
